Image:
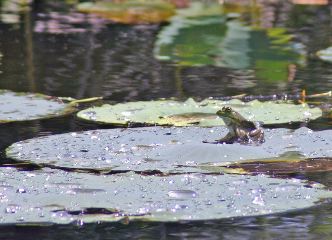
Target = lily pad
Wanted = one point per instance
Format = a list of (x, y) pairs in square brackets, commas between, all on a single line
[(130, 12), (58, 197), (281, 167), (163, 149), (211, 40), (325, 54), (30, 106), (168, 112)]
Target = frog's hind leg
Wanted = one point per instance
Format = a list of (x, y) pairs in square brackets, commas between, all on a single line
[(257, 135)]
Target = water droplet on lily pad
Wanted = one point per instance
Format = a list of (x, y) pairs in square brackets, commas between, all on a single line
[(182, 194)]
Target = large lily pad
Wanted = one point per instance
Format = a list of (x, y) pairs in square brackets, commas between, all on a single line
[(325, 54), (58, 197), (30, 106), (130, 12), (168, 112), (163, 149), (211, 40)]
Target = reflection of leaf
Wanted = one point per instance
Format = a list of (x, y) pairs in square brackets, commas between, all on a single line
[(131, 12), (29, 106), (66, 198), (167, 112), (210, 40), (163, 149), (59, 23), (272, 70), (11, 10), (325, 54), (311, 2)]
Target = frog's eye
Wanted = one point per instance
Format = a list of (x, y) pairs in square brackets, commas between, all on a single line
[(226, 109)]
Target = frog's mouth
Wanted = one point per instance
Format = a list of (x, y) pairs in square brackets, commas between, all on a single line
[(227, 120)]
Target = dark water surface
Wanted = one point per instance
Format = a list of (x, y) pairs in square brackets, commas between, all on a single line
[(55, 51)]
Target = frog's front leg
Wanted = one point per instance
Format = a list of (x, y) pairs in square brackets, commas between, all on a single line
[(228, 139)]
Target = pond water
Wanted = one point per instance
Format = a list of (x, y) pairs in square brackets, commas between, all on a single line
[(56, 51)]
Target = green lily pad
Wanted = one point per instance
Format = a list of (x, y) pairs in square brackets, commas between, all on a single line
[(30, 106), (54, 196), (168, 112), (211, 40), (325, 54), (163, 149), (130, 12)]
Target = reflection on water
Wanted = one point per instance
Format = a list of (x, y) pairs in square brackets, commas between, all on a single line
[(56, 51)]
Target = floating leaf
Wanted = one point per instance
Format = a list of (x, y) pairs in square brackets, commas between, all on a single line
[(130, 12), (58, 197), (325, 54), (163, 149), (211, 40), (168, 112), (281, 167), (30, 106)]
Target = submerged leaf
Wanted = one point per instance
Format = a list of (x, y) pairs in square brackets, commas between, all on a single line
[(130, 12), (30, 106), (168, 112), (163, 149), (54, 196)]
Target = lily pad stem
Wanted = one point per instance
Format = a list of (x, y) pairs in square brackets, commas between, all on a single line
[(85, 100)]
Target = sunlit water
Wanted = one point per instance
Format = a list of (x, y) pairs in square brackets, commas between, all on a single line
[(78, 56)]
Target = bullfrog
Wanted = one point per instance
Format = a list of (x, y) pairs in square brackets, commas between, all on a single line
[(240, 129)]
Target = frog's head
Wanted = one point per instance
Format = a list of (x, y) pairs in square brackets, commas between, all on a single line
[(228, 115), (226, 112)]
